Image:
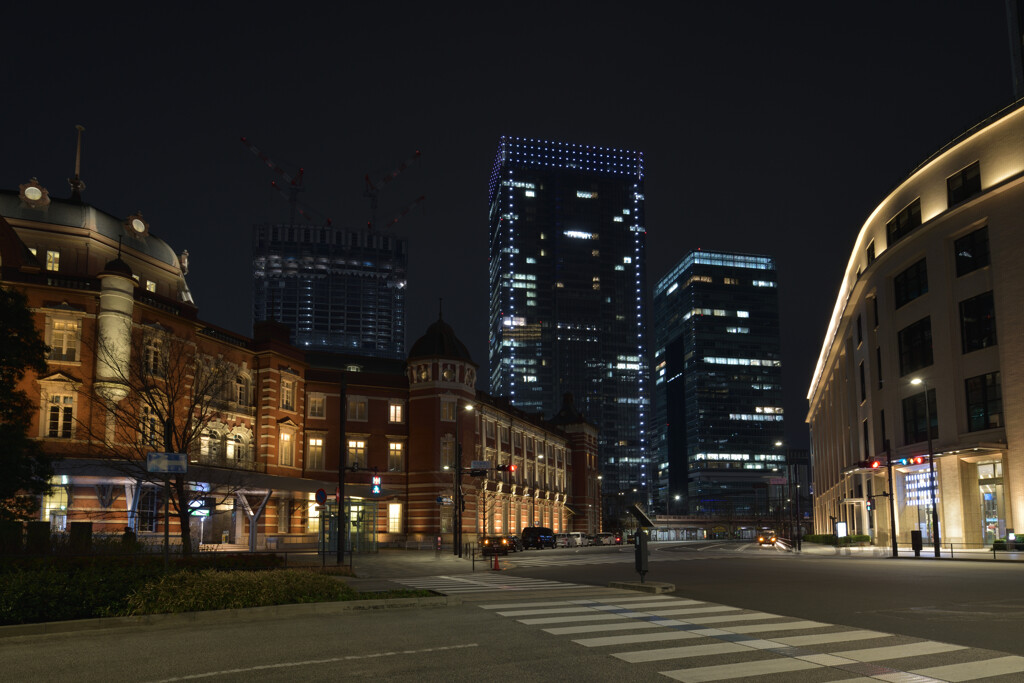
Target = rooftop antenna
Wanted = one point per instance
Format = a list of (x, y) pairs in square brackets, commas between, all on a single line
[(76, 183)]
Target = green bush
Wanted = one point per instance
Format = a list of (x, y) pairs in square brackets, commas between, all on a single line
[(212, 590), (52, 594)]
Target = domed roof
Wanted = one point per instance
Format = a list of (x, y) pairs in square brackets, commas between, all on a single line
[(79, 215), (119, 267), (440, 342)]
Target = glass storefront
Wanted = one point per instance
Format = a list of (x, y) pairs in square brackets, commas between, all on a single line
[(990, 489)]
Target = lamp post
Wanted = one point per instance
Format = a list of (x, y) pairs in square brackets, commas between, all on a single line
[(457, 526), (931, 463)]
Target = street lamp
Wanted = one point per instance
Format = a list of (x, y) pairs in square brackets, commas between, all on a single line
[(457, 528), (931, 462)]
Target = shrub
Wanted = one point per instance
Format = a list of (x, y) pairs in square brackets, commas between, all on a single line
[(212, 590)]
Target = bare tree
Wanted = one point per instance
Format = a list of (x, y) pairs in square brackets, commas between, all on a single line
[(156, 391)]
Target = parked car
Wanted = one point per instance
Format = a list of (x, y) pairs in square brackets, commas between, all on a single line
[(538, 537), (515, 544), (494, 545), (566, 541), (579, 537), (604, 538)]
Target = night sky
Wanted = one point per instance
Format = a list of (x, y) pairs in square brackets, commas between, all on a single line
[(766, 127)]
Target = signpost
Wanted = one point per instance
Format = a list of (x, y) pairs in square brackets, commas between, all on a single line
[(167, 464)]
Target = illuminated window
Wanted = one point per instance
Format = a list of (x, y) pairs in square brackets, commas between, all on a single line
[(742, 314), (394, 518), (150, 286), (286, 450), (396, 412), (53, 260), (356, 454), (530, 193), (315, 452), (63, 338), (287, 394), (396, 456), (730, 281)]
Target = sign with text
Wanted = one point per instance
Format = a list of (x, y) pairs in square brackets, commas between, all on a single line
[(166, 463), (480, 465)]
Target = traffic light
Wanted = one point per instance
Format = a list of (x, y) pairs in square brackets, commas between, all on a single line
[(506, 468), (916, 460), (874, 464), (375, 486), (871, 503)]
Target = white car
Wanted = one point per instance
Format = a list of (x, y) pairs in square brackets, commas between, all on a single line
[(566, 541)]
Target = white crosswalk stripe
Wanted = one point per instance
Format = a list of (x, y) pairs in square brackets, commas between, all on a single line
[(480, 583), (725, 646)]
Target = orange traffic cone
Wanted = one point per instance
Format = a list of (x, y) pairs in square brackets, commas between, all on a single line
[(496, 567)]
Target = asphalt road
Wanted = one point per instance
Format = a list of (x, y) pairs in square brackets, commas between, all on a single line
[(962, 610), (972, 603)]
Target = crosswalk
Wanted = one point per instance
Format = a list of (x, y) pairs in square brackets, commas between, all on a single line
[(522, 560), (695, 642), (482, 582)]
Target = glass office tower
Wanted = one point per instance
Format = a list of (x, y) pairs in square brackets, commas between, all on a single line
[(567, 304), (718, 385), (337, 289)]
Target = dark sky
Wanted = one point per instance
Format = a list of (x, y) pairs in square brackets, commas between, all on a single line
[(767, 127)]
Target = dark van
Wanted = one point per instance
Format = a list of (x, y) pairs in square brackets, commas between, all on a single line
[(538, 537)]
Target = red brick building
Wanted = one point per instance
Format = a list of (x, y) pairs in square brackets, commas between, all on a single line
[(112, 302)]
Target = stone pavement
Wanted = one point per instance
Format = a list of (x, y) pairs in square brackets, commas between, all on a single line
[(374, 571)]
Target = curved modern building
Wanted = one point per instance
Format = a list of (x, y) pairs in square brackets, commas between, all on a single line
[(922, 356)]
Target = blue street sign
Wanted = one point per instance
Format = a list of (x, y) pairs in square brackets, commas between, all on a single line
[(167, 463)]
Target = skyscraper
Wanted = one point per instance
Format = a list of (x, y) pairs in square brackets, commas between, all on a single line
[(718, 384), (337, 289), (567, 305)]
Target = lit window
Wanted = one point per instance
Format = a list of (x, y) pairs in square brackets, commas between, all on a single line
[(530, 193), (742, 314), (63, 339), (394, 518), (150, 286), (396, 459), (315, 453), (396, 412), (356, 454), (286, 450), (287, 394), (53, 260)]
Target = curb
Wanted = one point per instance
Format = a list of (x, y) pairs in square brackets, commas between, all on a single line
[(645, 587), (223, 616)]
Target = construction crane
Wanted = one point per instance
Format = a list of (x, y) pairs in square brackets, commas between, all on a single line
[(291, 189), (374, 188)]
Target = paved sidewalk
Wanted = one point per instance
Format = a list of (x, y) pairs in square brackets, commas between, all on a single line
[(978, 554), (374, 571)]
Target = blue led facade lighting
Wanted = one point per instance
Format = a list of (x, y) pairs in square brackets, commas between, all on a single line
[(718, 385), (567, 274)]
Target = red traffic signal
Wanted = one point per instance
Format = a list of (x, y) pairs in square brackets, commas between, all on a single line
[(506, 468)]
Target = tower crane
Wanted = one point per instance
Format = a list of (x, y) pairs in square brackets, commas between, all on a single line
[(291, 189), (374, 188)]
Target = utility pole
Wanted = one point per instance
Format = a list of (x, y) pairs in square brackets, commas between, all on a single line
[(342, 455)]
